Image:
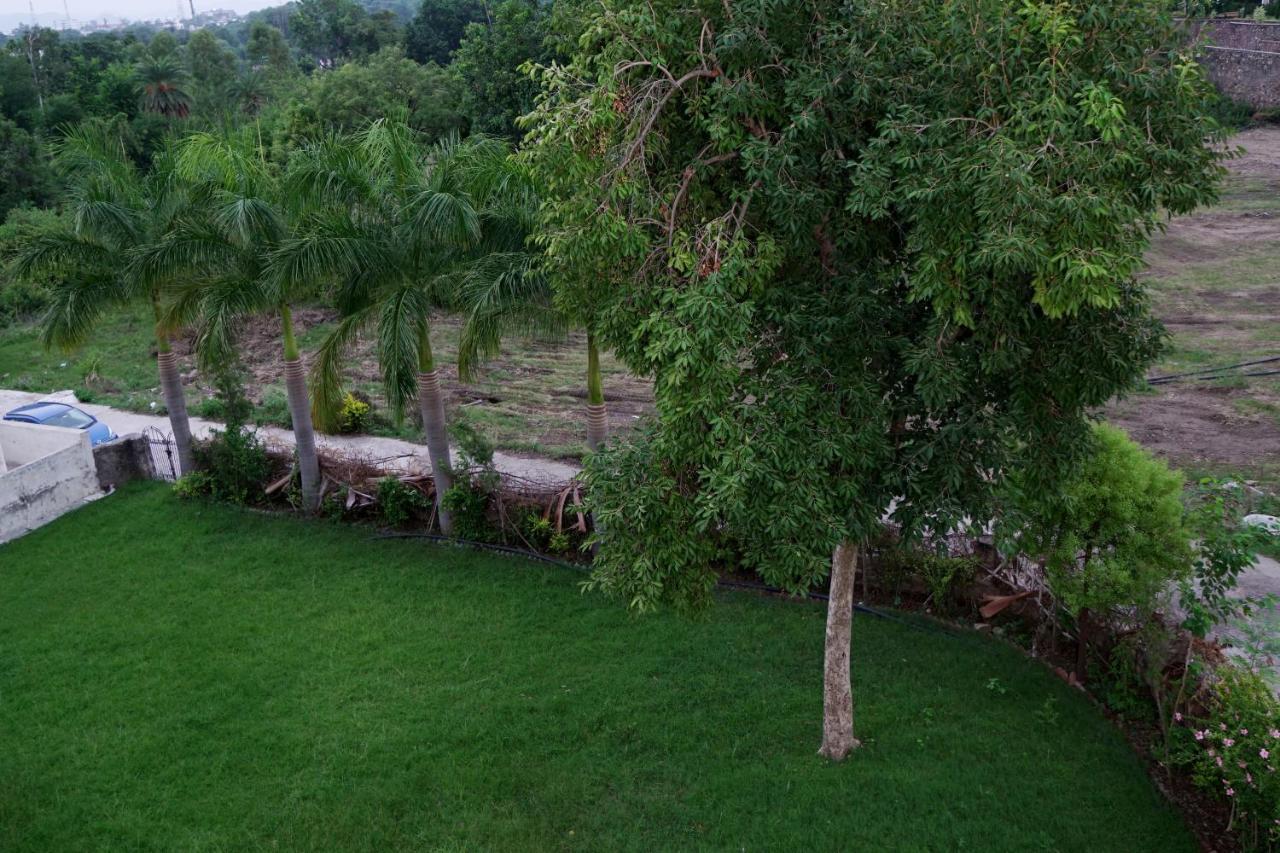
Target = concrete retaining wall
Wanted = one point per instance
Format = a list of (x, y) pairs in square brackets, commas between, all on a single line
[(50, 471)]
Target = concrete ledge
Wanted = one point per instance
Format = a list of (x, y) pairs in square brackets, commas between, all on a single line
[(50, 472)]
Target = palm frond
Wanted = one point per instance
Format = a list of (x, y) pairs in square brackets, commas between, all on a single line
[(326, 370), (504, 294), (400, 324), (192, 247), (60, 250), (75, 305)]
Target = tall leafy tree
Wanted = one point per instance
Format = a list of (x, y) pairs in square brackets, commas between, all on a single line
[(116, 212), (874, 255), (215, 260), (488, 63), (389, 219), (438, 27)]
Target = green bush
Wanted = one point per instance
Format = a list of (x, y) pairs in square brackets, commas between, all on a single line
[(354, 415), (1233, 751), (947, 578), (1113, 536), (233, 459), (469, 505), (399, 502)]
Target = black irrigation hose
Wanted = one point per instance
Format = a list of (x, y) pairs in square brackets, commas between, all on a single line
[(1156, 380), (721, 582)]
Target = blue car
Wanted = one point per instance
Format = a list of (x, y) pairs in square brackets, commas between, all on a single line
[(62, 415)]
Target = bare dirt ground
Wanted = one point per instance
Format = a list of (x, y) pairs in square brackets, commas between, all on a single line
[(531, 399), (1215, 277)]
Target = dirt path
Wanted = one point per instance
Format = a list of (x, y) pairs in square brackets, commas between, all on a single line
[(392, 453), (1215, 280)]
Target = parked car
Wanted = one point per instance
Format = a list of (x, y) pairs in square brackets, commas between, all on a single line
[(62, 415)]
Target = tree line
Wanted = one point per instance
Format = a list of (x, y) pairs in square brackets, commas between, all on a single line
[(295, 71)]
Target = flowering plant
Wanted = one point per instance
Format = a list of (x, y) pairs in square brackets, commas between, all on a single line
[(1234, 751)]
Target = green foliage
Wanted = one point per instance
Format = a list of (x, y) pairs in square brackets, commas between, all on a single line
[(948, 579), (353, 415), (398, 502), (387, 84), (25, 176), (334, 31), (1233, 752), (469, 504), (495, 92), (438, 28), (1113, 535), (233, 462), (1224, 549), (863, 262)]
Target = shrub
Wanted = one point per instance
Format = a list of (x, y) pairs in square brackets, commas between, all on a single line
[(354, 414), (469, 505), (947, 579), (1113, 536), (195, 484), (233, 459), (1224, 548), (398, 501), (1233, 751)]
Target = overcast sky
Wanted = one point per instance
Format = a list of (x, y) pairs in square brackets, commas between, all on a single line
[(135, 10)]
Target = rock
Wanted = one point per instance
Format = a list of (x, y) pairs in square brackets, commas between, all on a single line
[(1269, 523)]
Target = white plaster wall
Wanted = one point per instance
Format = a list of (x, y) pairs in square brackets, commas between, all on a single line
[(50, 472)]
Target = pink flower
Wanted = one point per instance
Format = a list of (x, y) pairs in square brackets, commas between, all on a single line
[(1231, 792), (1222, 726), (1228, 742), (1275, 734), (1177, 716), (1219, 760), (1199, 735), (1248, 777), (1244, 731), (1262, 753)]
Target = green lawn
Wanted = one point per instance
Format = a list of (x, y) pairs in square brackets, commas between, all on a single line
[(176, 676)]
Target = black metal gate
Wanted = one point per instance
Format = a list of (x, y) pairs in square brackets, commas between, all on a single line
[(164, 454)]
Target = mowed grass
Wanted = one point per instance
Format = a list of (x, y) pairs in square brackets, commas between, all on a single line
[(178, 676)]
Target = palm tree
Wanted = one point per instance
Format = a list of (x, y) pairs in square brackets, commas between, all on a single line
[(504, 291), (387, 222), (216, 257), (249, 90), (161, 78), (114, 212)]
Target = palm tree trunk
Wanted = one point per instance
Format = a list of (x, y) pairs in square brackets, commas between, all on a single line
[(304, 434), (175, 402), (837, 687), (597, 423), (431, 405)]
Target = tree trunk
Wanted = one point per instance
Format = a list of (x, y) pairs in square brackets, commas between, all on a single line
[(1082, 645), (837, 688), (433, 424), (431, 405), (175, 402), (304, 434), (597, 423)]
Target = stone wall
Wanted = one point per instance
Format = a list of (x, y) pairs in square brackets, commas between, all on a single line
[(50, 472), (123, 460), (1242, 59)]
